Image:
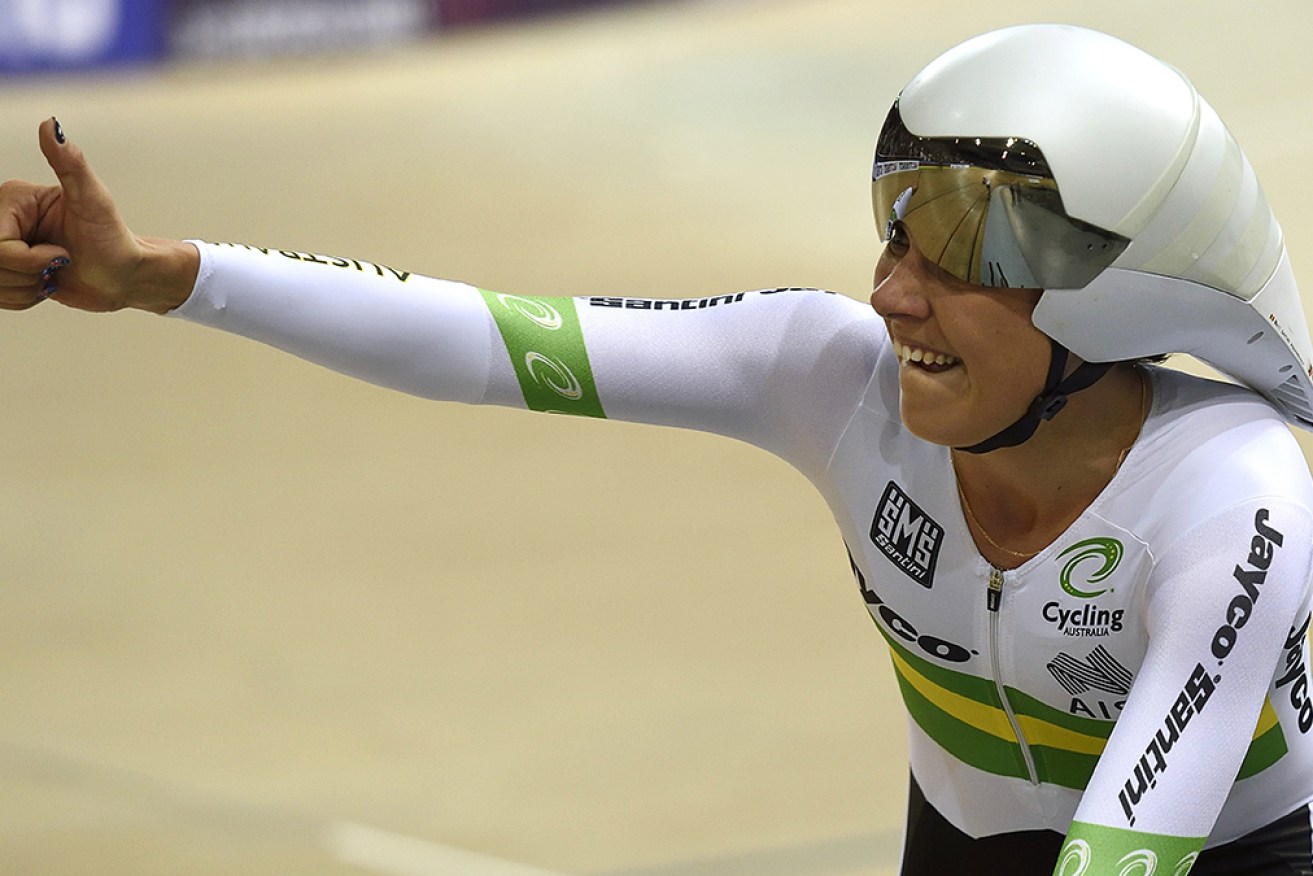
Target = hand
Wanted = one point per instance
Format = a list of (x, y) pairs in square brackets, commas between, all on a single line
[(68, 242)]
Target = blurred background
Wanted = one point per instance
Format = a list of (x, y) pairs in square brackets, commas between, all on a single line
[(258, 618), (46, 35)]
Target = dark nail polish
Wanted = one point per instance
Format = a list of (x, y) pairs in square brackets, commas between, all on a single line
[(51, 269), (59, 132)]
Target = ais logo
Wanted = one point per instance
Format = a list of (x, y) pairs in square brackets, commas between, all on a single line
[(1090, 679), (907, 535)]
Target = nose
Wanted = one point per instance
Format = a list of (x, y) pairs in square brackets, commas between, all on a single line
[(901, 287)]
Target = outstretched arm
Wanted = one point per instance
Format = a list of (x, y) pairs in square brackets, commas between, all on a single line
[(783, 371), (68, 242)]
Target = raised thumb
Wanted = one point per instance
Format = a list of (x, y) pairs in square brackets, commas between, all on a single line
[(80, 184)]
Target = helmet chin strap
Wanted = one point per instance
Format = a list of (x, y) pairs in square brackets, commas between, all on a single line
[(1048, 403)]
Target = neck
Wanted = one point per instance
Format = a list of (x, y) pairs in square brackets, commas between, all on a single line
[(1024, 497)]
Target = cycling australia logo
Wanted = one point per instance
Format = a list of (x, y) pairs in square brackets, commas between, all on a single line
[(1107, 552), (907, 535), (1087, 565)]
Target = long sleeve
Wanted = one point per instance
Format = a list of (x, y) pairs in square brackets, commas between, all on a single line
[(781, 369), (1222, 603)]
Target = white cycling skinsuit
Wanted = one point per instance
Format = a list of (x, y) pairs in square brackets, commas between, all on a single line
[(1135, 693)]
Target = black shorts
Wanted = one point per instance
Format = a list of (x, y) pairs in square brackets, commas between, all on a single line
[(933, 847)]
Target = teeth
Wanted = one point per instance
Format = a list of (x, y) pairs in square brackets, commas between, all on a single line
[(913, 354)]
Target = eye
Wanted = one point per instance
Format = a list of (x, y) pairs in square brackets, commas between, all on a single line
[(897, 242)]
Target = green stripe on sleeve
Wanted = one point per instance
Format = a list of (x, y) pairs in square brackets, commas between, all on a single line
[(546, 346), (1095, 850)]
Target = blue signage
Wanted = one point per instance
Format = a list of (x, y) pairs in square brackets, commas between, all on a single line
[(45, 35)]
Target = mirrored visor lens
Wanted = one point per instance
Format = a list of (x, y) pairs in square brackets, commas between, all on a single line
[(992, 218)]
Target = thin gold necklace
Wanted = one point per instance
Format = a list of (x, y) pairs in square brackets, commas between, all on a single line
[(971, 515), (1026, 555)]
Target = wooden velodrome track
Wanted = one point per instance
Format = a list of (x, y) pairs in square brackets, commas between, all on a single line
[(258, 618)]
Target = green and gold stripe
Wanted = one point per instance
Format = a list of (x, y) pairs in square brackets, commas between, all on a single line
[(1269, 744), (964, 715)]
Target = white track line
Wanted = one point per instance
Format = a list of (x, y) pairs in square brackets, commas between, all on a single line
[(397, 855)]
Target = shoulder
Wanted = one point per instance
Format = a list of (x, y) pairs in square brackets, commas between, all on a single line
[(819, 302), (826, 317), (1208, 447), (799, 323), (819, 319), (1204, 425)]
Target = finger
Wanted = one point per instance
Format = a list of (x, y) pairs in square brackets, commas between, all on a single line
[(81, 185), (21, 298), (19, 256), (10, 279)]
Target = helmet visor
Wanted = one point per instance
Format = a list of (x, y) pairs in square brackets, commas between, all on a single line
[(987, 210)]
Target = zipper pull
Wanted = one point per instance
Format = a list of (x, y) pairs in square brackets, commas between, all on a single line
[(995, 595)]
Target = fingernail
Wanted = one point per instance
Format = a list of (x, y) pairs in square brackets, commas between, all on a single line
[(51, 269), (59, 131)]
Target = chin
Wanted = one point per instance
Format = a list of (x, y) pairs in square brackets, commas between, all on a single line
[(946, 431), (929, 427)]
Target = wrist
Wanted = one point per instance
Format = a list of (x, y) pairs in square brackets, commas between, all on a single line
[(165, 276)]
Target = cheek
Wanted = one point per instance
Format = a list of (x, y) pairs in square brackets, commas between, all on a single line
[(1013, 338), (1034, 347), (1018, 366), (1006, 360)]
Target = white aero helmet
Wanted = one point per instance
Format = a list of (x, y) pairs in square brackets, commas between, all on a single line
[(1055, 157)]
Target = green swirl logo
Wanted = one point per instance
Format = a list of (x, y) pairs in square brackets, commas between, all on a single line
[(542, 315), (1142, 862), (554, 374), (1075, 859), (1107, 552)]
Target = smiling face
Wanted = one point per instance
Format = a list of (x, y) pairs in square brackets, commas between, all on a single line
[(971, 360)]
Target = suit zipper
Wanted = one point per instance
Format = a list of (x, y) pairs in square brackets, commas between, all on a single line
[(993, 601)]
